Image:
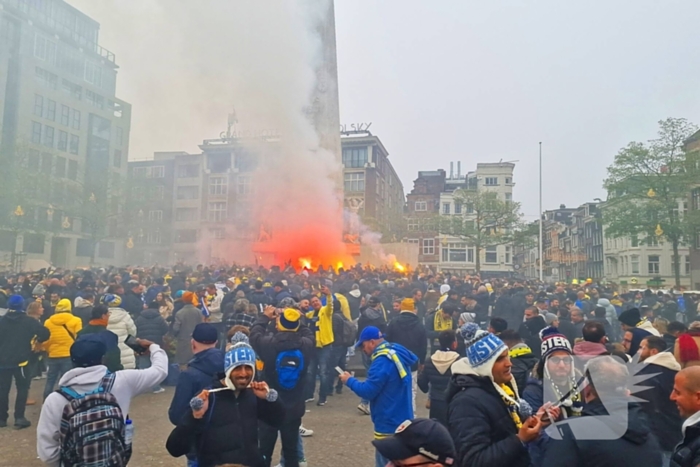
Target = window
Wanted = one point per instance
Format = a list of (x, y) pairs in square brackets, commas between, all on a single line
[(158, 192), (509, 255), (428, 246), (72, 170), (188, 171), (76, 119), (217, 185), (186, 236), (421, 205), (414, 241), (218, 234), (46, 78), (38, 105), (73, 90), (470, 207), (695, 194), (48, 136), (83, 247), (653, 264), (93, 73), (509, 180), (119, 136), (60, 170), (34, 243), (509, 197), (65, 115), (154, 238), (445, 208), (652, 240), (458, 207), (491, 255), (186, 214), (635, 241), (455, 253), (491, 181), (36, 133), (635, 264), (117, 161), (46, 163), (74, 144), (94, 99), (354, 182), (51, 110), (687, 265), (413, 223), (155, 215), (217, 211), (354, 157), (243, 185), (158, 171), (187, 192), (62, 141)]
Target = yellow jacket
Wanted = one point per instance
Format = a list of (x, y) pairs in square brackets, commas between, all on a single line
[(60, 341), (323, 322)]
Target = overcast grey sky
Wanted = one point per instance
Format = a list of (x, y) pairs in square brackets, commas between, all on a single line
[(440, 80)]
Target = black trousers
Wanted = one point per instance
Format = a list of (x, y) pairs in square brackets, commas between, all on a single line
[(289, 434), (22, 381)]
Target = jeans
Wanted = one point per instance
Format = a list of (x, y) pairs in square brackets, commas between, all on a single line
[(289, 433), (192, 463), (666, 458), (57, 368), (143, 362), (338, 358), (22, 382), (366, 361), (379, 460), (300, 450), (414, 388), (319, 366)]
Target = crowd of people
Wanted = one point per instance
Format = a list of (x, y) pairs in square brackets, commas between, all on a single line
[(504, 363)]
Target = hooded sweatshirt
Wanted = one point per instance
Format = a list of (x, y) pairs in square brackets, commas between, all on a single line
[(202, 371), (436, 374), (127, 384), (64, 328), (387, 387)]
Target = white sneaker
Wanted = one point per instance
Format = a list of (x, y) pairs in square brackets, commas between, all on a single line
[(158, 391), (303, 464), (364, 408), (305, 432), (309, 400)]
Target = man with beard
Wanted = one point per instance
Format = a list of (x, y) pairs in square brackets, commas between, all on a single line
[(223, 422), (529, 330)]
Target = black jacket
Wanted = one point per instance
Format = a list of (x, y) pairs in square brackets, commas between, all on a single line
[(661, 411), (636, 448), (371, 317), (227, 434), (483, 299), (84, 313), (16, 333), (407, 330), (432, 380), (258, 298), (567, 328), (202, 371), (150, 325), (521, 369), (687, 454), (268, 345), (132, 303), (228, 300), (481, 426), (530, 333), (354, 304)]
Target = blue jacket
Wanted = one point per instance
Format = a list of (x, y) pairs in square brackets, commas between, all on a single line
[(201, 373), (389, 394)]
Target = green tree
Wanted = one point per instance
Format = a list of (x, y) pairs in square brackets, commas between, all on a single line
[(647, 184), (486, 220)]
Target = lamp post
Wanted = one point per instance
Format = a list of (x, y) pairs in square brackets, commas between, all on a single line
[(541, 238)]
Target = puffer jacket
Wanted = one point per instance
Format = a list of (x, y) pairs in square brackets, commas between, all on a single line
[(64, 328), (121, 324), (150, 325)]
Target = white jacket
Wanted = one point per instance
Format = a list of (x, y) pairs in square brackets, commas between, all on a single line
[(127, 384), (121, 324), (215, 312)]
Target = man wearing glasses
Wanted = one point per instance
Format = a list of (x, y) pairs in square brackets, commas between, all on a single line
[(420, 442)]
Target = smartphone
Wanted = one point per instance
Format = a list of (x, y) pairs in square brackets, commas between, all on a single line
[(133, 344), (339, 370)]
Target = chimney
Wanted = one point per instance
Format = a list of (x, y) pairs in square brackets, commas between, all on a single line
[(452, 170), (459, 169)]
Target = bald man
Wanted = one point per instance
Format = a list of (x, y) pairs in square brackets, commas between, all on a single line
[(686, 395)]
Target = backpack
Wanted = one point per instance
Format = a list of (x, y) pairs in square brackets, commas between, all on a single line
[(93, 430), (349, 332), (289, 365)]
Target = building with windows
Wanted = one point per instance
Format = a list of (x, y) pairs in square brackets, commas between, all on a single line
[(692, 150), (372, 189), (59, 109), (433, 194)]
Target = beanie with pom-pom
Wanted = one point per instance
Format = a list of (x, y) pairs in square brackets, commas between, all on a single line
[(553, 341), (483, 348)]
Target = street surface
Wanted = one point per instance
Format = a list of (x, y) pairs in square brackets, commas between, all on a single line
[(342, 435)]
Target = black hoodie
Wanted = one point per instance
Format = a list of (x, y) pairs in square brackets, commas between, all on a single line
[(407, 330), (638, 447), (16, 333)]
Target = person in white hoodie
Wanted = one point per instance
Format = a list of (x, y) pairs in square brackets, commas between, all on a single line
[(121, 324), (87, 354), (436, 375)]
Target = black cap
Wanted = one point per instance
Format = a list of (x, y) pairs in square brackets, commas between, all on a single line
[(89, 349), (205, 333), (421, 436)]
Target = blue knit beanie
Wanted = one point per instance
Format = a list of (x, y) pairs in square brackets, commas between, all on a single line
[(15, 303)]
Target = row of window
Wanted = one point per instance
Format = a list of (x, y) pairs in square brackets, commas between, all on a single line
[(35, 243), (493, 181), (46, 135), (630, 265), (354, 157), (46, 108)]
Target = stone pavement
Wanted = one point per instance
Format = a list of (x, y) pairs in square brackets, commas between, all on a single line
[(342, 435)]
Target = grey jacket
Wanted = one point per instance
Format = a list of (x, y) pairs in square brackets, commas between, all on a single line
[(185, 321)]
